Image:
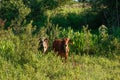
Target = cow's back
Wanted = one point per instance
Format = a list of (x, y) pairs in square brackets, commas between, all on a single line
[(57, 44)]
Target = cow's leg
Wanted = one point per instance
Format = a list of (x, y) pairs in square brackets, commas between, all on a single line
[(66, 57)]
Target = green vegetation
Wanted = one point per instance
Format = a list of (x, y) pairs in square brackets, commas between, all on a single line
[(98, 56), (94, 54)]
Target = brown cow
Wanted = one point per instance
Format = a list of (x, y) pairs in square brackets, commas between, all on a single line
[(43, 45), (61, 47)]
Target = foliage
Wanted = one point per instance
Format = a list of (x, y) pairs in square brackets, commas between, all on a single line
[(20, 59), (14, 11), (110, 11), (75, 18), (85, 42), (97, 56), (21, 12), (50, 67), (52, 4), (39, 7)]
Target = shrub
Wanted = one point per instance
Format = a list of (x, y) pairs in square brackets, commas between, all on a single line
[(7, 49), (14, 12)]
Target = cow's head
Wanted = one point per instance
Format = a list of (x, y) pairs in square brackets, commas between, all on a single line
[(43, 45), (66, 41)]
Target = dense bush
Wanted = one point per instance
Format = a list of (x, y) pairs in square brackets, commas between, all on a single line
[(110, 11), (14, 12), (76, 17)]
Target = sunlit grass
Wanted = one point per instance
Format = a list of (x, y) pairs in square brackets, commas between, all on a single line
[(51, 67), (64, 10)]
